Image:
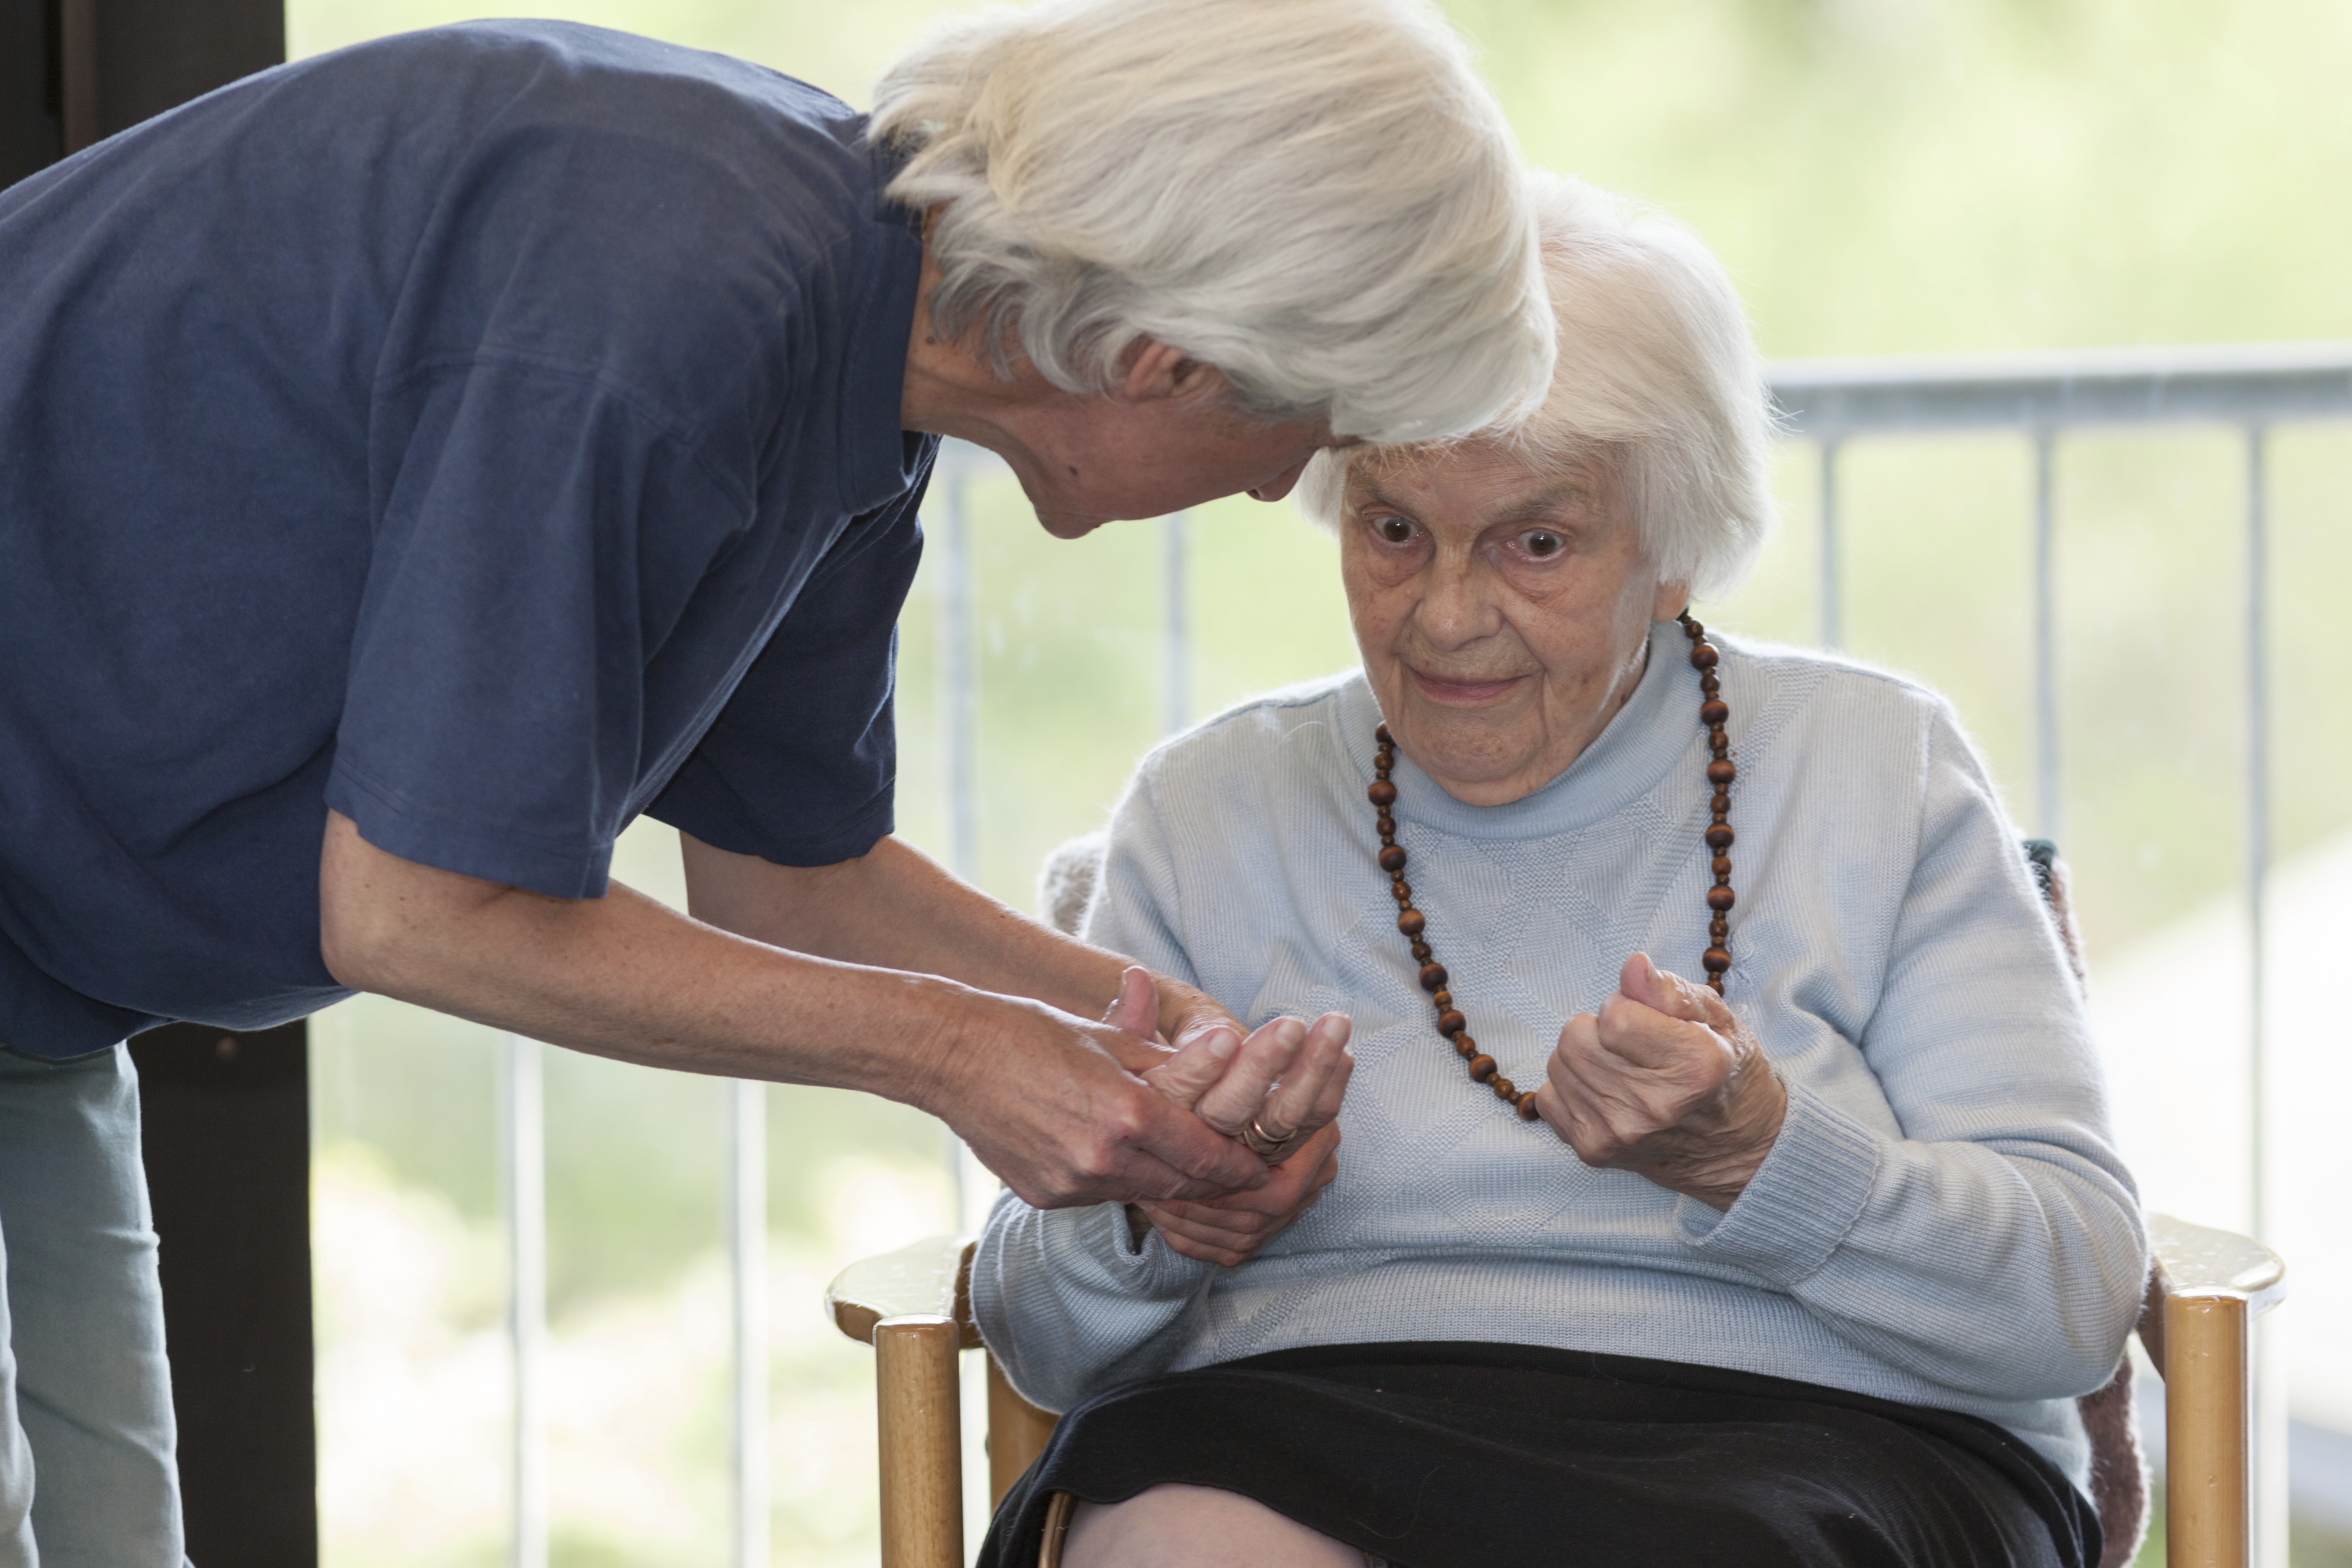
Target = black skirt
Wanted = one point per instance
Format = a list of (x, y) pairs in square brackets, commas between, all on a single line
[(1469, 1456)]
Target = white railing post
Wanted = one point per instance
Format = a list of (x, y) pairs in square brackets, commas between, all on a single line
[(1175, 635), (522, 1123), (2048, 797), (1832, 590), (958, 685), (747, 1263)]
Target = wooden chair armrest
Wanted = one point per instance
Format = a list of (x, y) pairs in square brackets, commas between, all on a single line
[(932, 1279)]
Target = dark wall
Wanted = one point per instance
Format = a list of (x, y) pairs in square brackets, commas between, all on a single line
[(227, 1140), (226, 1116), (32, 118), (73, 71)]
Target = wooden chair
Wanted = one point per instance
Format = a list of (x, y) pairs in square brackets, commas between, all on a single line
[(914, 1307), (2205, 1288)]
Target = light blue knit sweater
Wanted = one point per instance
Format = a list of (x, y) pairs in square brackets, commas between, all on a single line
[(1944, 1220)]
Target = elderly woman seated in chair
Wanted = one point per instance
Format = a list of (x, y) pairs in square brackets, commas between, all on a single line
[(1727, 1174)]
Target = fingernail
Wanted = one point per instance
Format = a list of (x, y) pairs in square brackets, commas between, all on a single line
[(1650, 967), (1222, 1043)]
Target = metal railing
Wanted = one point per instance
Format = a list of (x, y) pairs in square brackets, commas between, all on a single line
[(2041, 397)]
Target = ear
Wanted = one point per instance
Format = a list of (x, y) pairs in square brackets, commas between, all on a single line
[(1673, 599), (1154, 372)]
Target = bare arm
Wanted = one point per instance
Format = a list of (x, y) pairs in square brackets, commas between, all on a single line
[(1040, 1094)]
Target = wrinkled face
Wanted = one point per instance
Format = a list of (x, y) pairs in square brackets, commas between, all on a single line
[(1503, 615), (1105, 458)]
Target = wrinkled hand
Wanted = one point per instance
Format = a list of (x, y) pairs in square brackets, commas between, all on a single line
[(1055, 1105), (1286, 1082), (1664, 1082)]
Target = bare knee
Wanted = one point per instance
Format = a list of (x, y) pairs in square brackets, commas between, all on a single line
[(1175, 1526)]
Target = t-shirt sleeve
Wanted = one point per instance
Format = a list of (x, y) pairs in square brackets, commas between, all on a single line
[(541, 529), (801, 766)]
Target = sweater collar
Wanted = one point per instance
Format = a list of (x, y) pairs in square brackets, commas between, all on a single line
[(1654, 730)]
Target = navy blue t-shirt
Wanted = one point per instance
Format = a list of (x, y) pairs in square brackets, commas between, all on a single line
[(490, 433)]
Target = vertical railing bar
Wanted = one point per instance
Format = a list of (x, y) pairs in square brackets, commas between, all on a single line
[(1832, 622), (747, 1262), (959, 677), (1175, 650), (2258, 814), (2048, 799), (524, 1145)]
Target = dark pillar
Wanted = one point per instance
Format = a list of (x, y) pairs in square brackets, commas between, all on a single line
[(228, 1129), (227, 1138)]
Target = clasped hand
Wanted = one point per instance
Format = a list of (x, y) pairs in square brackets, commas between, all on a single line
[(1283, 1085), (1664, 1081)]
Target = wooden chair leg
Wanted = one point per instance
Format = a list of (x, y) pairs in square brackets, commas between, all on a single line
[(1017, 1431), (2208, 1518), (921, 1412)]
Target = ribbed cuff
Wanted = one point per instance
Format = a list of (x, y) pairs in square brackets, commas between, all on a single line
[(1804, 1198), (1152, 1268)]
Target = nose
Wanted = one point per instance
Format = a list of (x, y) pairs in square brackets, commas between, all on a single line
[(1281, 484)]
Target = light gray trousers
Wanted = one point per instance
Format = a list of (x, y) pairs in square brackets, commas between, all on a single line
[(88, 1473)]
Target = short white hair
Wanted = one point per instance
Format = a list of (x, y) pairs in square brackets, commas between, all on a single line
[(1317, 197), (1657, 379)]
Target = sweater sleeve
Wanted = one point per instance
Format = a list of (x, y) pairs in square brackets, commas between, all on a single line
[(1995, 1244), (1067, 1299)]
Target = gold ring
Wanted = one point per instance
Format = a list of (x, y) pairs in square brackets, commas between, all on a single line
[(1265, 1144)]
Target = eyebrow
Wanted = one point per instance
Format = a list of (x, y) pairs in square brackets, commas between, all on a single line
[(1526, 508)]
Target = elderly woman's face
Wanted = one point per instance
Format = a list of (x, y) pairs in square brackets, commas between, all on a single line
[(1502, 614)]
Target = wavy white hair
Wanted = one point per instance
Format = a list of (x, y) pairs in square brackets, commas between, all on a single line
[(1318, 197), (1657, 379)]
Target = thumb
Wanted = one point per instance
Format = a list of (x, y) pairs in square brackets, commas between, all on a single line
[(1643, 980), (1135, 1009)]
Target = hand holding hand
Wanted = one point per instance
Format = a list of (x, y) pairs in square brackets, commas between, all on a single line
[(1283, 1083), (1664, 1082)]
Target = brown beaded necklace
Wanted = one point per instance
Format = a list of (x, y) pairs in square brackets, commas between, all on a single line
[(1713, 712)]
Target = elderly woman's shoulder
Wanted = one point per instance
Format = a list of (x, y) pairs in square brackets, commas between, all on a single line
[(1286, 722), (1794, 689)]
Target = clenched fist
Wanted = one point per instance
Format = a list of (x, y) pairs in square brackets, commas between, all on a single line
[(1664, 1082)]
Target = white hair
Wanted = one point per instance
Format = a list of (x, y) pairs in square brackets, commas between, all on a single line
[(1657, 379), (1317, 197)]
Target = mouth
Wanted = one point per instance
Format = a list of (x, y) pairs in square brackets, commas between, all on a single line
[(1455, 692)]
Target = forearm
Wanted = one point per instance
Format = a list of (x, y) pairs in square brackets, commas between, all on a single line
[(895, 907), (2011, 1271), (1073, 1300), (625, 976)]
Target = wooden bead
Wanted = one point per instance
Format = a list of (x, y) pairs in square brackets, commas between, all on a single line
[(1413, 923), (1719, 836), (1464, 1047), (1527, 1112), (1711, 713), (1382, 793), (1387, 826), (1503, 1088), (1710, 683), (1703, 655), (1721, 805), (1433, 976), (1401, 891), (1482, 1067), (1381, 733), (1719, 928), (1720, 775), (1716, 959), (1393, 858), (1722, 867), (1443, 998), (1421, 950), (1721, 898), (1451, 1023)]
